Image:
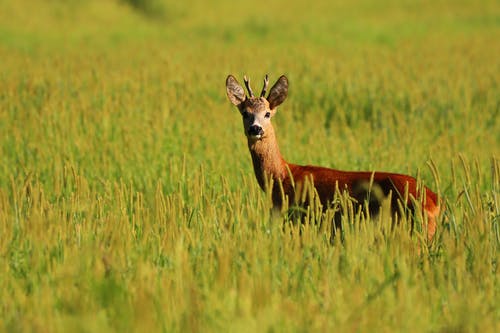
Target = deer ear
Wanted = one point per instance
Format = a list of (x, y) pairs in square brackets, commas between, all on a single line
[(278, 92), (234, 91)]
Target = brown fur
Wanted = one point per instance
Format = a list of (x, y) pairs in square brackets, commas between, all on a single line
[(268, 164)]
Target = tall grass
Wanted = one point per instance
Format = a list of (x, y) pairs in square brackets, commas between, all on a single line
[(127, 195)]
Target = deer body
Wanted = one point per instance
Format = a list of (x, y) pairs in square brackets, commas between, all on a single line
[(269, 164)]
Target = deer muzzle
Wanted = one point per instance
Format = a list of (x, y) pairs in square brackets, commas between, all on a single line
[(255, 131)]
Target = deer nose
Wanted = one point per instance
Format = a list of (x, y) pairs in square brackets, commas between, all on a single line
[(255, 130)]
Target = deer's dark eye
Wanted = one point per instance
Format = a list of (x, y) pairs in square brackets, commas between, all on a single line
[(246, 114), (268, 115)]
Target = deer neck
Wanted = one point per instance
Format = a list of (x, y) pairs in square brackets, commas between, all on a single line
[(267, 160)]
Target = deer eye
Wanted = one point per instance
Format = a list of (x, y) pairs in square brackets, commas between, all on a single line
[(268, 115), (246, 114)]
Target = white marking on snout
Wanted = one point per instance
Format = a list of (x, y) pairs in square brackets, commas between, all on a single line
[(256, 122)]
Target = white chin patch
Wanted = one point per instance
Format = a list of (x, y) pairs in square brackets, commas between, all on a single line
[(255, 137)]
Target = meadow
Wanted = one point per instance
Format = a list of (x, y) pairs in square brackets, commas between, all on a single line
[(127, 195)]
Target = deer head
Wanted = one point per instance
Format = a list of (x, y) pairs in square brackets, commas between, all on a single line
[(257, 111)]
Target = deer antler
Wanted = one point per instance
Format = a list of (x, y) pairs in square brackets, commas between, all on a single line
[(266, 83), (247, 84)]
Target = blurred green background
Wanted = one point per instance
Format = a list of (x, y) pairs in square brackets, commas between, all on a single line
[(127, 195)]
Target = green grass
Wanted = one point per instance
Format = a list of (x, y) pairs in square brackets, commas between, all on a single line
[(127, 196)]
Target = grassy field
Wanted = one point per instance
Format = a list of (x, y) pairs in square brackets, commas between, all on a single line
[(127, 195)]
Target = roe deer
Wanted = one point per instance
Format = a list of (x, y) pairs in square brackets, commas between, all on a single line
[(269, 164)]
